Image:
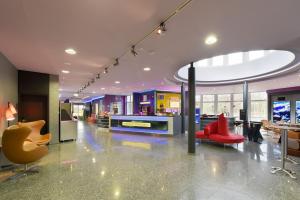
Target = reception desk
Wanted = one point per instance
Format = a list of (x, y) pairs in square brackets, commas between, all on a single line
[(161, 125)]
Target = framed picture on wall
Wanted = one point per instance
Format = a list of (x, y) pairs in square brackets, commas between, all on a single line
[(282, 111), (297, 112)]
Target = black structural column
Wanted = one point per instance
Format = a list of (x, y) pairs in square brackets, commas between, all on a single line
[(182, 108), (245, 108), (191, 135)]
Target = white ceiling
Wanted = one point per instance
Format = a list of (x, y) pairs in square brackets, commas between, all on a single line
[(35, 33)]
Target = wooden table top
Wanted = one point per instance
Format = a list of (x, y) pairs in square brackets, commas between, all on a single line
[(285, 127)]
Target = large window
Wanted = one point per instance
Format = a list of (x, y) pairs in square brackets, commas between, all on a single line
[(129, 105), (77, 110), (231, 104), (198, 101), (258, 105), (224, 104), (237, 105), (208, 104)]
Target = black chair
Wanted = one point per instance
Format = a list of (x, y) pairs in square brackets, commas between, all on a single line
[(254, 132)]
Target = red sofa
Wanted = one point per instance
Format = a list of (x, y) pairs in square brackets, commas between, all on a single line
[(218, 132)]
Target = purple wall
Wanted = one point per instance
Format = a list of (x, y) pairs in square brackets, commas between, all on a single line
[(108, 99), (138, 97)]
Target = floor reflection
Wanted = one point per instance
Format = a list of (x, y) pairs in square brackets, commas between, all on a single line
[(103, 165)]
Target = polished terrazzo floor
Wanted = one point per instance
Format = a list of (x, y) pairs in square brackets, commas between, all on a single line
[(101, 165)]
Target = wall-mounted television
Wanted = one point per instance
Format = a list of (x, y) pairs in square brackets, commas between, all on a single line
[(297, 111), (281, 111)]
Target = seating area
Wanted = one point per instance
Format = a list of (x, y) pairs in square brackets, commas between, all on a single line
[(23, 144), (218, 131), (18, 148), (35, 135)]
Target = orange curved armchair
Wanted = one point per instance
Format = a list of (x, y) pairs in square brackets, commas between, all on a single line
[(35, 135), (17, 150)]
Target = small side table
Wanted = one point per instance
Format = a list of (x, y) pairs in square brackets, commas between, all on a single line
[(284, 157)]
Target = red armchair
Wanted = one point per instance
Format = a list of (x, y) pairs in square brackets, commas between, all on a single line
[(218, 132)]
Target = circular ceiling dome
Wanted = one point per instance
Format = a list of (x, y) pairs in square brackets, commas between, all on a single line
[(239, 66)]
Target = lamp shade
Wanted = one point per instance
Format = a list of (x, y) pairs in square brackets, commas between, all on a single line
[(12, 108), (9, 115)]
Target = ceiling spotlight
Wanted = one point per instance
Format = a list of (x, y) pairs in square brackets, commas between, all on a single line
[(116, 62), (70, 51), (117, 82), (76, 95), (65, 71), (103, 88), (147, 69), (105, 70), (94, 92), (134, 53), (161, 29), (93, 80), (98, 76), (211, 39), (88, 84)]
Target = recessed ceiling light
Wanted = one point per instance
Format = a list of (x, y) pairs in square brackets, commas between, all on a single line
[(103, 88), (147, 69), (211, 39), (94, 92), (65, 71), (76, 95), (70, 51), (117, 82)]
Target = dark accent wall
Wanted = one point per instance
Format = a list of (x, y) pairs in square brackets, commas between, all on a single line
[(33, 93), (44, 89), (33, 83)]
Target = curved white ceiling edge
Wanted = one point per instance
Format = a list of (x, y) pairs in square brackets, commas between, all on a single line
[(277, 63)]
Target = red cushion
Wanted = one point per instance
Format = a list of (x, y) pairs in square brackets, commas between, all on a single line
[(222, 125), (200, 135), (227, 139), (211, 128)]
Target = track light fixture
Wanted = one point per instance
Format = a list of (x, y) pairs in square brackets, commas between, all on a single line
[(93, 80), (88, 84), (134, 53), (105, 70), (162, 29), (116, 62)]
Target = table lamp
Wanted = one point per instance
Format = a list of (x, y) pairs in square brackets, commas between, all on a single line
[(12, 108), (9, 114)]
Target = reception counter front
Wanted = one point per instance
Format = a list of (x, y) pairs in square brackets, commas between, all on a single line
[(161, 125)]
